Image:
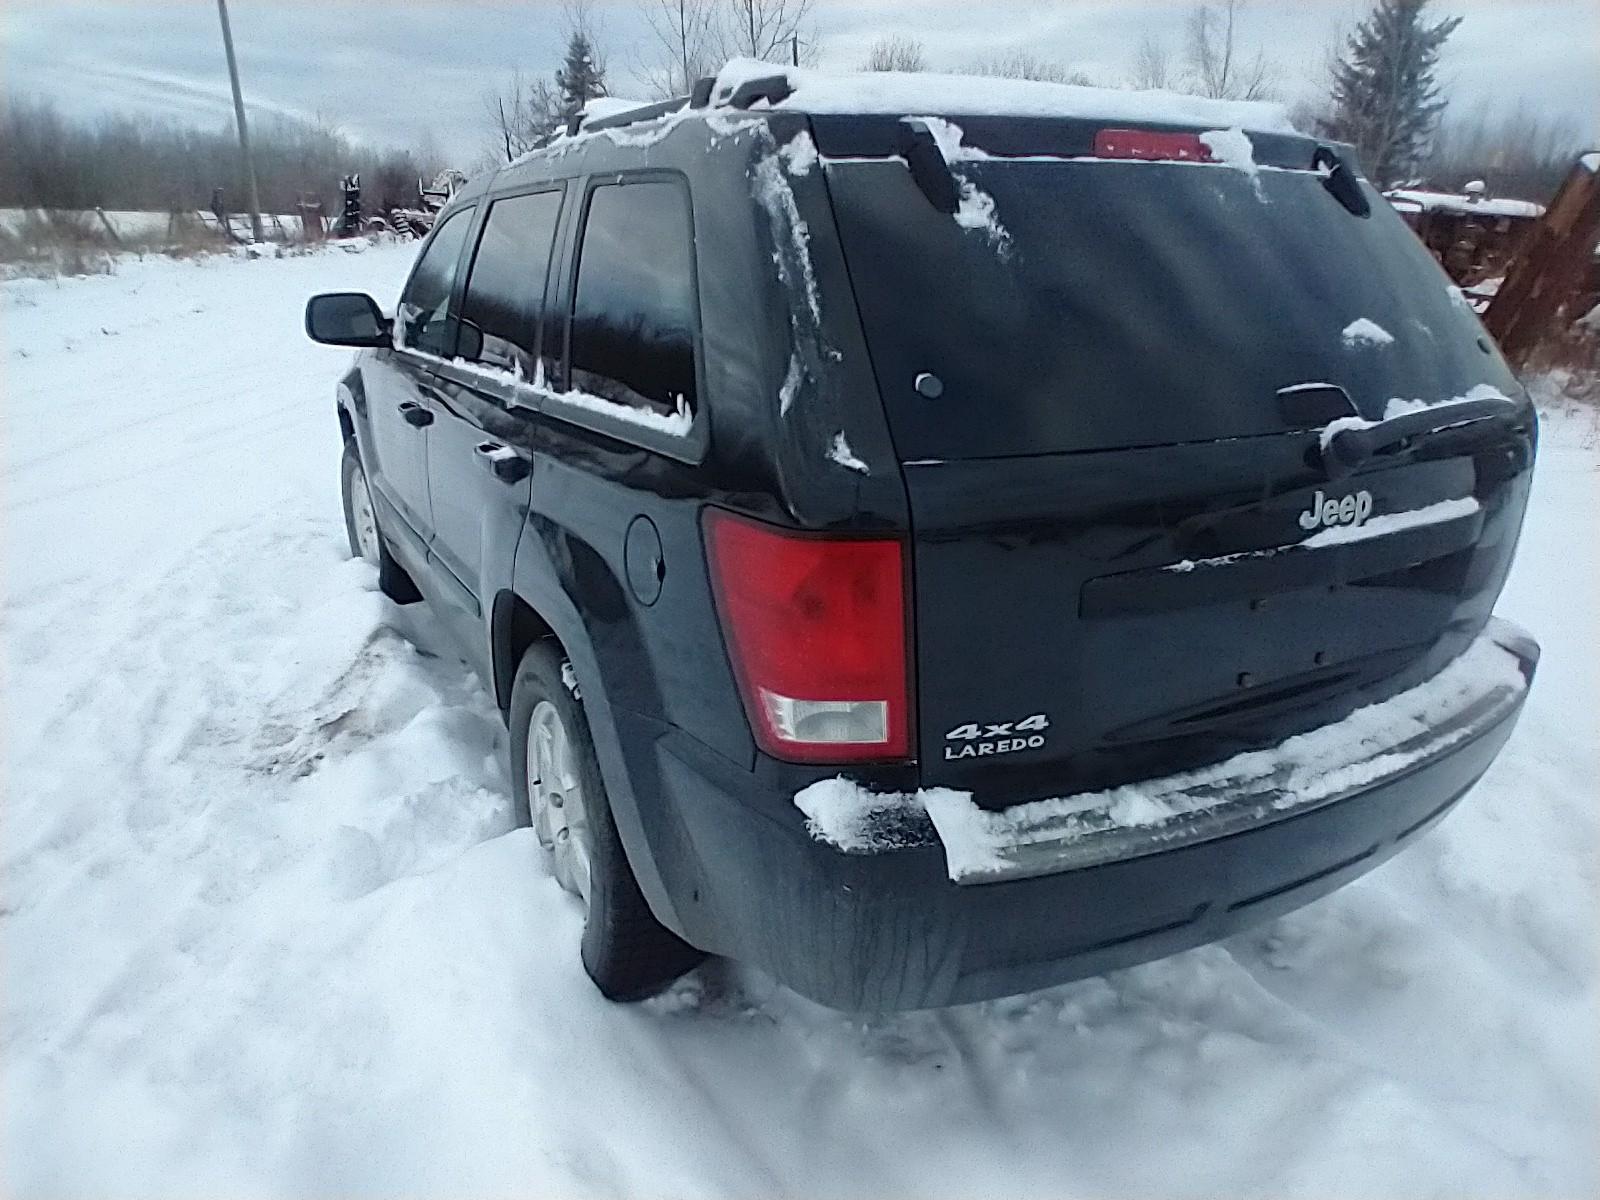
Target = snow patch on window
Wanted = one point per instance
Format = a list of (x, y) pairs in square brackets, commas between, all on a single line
[(799, 154), (976, 211), (1232, 148), (1364, 331), (976, 208), (948, 136), (839, 451), (677, 423)]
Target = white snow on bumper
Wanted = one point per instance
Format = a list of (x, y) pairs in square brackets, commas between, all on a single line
[(1476, 691)]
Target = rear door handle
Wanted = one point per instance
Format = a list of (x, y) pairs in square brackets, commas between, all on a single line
[(415, 414), (506, 464)]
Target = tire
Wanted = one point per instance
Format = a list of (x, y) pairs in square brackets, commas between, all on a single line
[(366, 541), (627, 953)]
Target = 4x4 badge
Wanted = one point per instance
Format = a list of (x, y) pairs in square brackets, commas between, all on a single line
[(1352, 510), (1007, 737)]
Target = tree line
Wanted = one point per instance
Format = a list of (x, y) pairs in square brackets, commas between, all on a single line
[(1379, 91), (122, 162)]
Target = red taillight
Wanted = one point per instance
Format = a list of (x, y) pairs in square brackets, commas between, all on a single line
[(816, 628), (1150, 145)]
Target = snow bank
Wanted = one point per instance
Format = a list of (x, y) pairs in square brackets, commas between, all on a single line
[(957, 95), (267, 932)]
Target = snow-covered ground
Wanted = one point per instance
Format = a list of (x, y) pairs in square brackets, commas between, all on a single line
[(266, 931)]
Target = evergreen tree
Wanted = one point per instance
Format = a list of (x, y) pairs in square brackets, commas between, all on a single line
[(1386, 100), (580, 78)]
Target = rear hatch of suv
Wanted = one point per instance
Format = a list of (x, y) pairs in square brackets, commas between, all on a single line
[(1109, 376)]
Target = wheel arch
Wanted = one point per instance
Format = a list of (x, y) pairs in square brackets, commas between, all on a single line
[(514, 625)]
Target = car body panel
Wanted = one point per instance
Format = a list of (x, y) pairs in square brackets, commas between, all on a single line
[(1037, 587)]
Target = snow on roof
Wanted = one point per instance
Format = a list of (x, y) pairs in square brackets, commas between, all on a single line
[(610, 106), (1591, 162), (972, 95), (1450, 202)]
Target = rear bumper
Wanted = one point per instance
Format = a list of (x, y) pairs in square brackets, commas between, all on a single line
[(890, 929)]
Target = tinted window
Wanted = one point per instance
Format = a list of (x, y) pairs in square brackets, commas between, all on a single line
[(424, 317), (1138, 304), (633, 320), (504, 301)]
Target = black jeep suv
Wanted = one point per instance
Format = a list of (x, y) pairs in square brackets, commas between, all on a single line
[(933, 539)]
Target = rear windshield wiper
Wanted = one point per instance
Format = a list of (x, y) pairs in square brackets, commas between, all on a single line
[(928, 168), (1341, 181), (1345, 447)]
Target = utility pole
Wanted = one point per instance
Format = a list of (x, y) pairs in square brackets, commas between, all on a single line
[(794, 49), (238, 116)]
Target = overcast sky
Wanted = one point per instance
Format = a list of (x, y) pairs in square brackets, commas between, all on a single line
[(402, 71)]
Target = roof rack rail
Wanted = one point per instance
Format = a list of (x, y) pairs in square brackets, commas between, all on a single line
[(647, 112), (772, 88)]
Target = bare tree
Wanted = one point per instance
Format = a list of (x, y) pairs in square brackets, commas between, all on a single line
[(896, 52), (1152, 65), (680, 45), (523, 114), (1219, 66), (772, 30), (1020, 64)]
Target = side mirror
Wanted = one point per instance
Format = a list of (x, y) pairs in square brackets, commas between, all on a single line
[(346, 319)]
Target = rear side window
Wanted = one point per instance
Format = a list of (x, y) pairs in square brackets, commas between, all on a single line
[(634, 313), (425, 321), (504, 302)]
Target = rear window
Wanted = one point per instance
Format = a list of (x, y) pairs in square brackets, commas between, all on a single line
[(1100, 305)]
